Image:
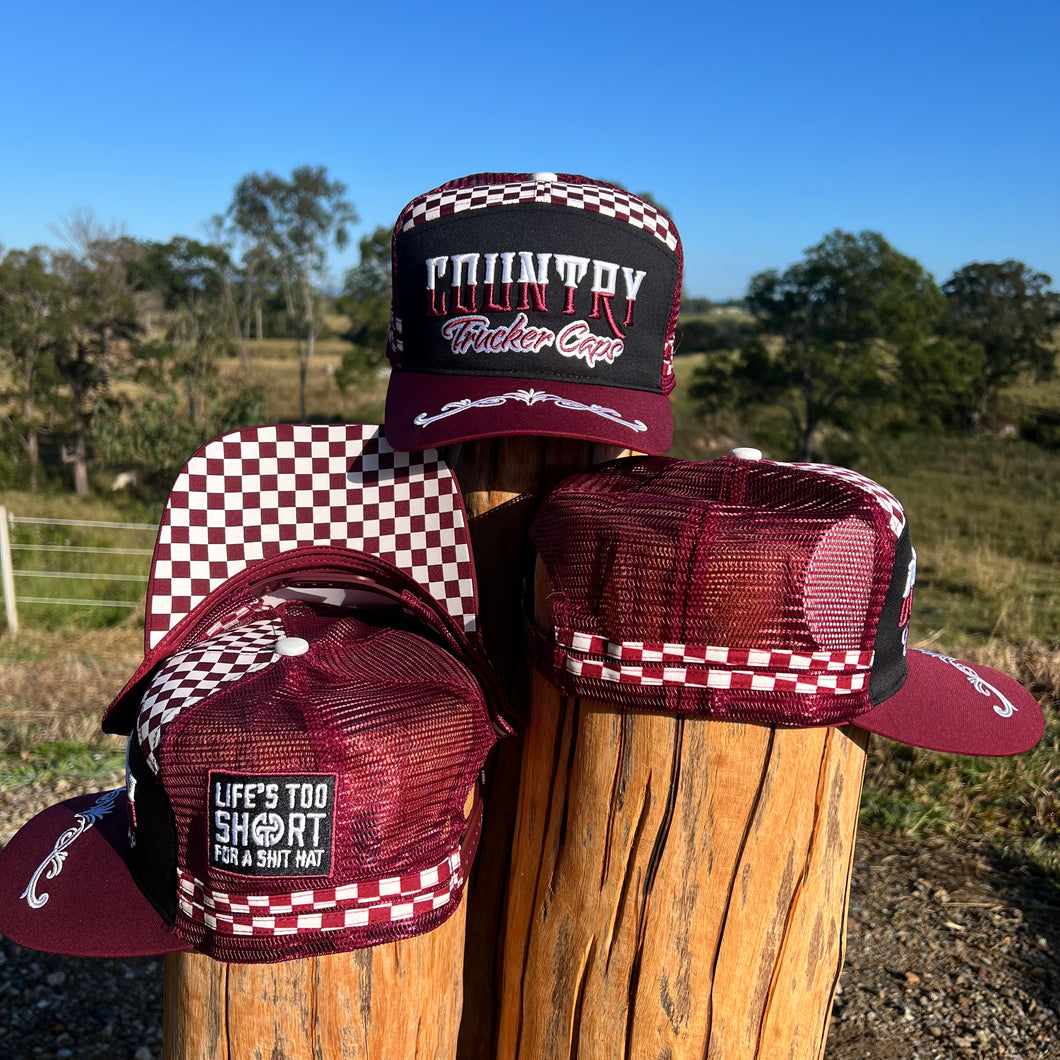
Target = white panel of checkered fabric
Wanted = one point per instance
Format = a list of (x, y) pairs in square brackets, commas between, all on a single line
[(886, 500), (260, 491), (389, 900), (189, 676), (611, 202)]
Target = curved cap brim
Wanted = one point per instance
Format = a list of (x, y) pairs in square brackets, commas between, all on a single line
[(65, 886), (425, 411), (960, 707)]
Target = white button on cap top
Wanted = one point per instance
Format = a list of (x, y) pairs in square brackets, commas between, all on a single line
[(292, 646), (546, 178), (746, 453)]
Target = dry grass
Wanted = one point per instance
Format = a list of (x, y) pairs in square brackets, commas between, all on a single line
[(55, 688), (273, 366), (1012, 803)]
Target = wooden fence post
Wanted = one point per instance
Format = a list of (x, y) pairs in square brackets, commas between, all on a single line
[(7, 574), (501, 481), (678, 886), (398, 1000)]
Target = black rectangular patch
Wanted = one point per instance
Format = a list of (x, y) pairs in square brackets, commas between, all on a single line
[(276, 824)]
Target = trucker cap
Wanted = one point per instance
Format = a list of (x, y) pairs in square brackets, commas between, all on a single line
[(540, 304), (753, 590), (301, 778), (305, 728)]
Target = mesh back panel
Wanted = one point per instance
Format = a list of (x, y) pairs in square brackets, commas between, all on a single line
[(400, 723), (728, 554)]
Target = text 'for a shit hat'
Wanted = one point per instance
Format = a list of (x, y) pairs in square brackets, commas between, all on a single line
[(541, 304), (306, 731), (750, 590)]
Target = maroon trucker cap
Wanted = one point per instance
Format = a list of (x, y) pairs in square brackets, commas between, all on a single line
[(532, 303), (305, 749), (752, 590)]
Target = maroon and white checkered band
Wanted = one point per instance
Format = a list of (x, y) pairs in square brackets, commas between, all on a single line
[(733, 680), (703, 666), (190, 676), (354, 905), (611, 202), (895, 511), (629, 651), (260, 491)]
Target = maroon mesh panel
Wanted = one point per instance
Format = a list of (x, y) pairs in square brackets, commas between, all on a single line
[(397, 719), (657, 560)]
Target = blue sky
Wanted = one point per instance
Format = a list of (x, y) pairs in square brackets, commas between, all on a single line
[(760, 126)]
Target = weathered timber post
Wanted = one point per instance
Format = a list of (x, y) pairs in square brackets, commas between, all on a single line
[(398, 1000), (678, 886), (412, 998), (501, 482), (644, 883)]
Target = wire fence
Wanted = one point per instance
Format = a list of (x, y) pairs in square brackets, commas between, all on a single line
[(12, 576)]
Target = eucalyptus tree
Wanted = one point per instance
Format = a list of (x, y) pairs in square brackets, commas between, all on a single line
[(832, 332), (91, 342), (288, 226), (190, 280), (31, 303), (365, 300), (1002, 317)]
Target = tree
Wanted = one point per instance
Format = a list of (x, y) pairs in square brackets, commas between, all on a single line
[(190, 279), (365, 297), (190, 283), (1001, 315), (699, 334), (97, 320), (291, 224), (31, 300), (831, 330), (365, 300)]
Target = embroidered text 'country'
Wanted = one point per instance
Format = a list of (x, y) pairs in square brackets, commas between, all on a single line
[(464, 271)]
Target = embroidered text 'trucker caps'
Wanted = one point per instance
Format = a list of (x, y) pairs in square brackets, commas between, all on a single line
[(535, 304)]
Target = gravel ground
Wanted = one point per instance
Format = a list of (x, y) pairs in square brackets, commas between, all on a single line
[(950, 953)]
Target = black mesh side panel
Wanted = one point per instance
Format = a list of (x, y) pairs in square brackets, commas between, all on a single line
[(153, 857), (889, 668)]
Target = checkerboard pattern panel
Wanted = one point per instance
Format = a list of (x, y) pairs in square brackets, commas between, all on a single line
[(695, 654), (190, 676), (610, 202), (257, 492), (392, 900), (886, 500), (731, 680), (589, 655)]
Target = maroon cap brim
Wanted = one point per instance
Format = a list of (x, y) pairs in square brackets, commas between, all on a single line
[(425, 411), (960, 707), (65, 886)]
